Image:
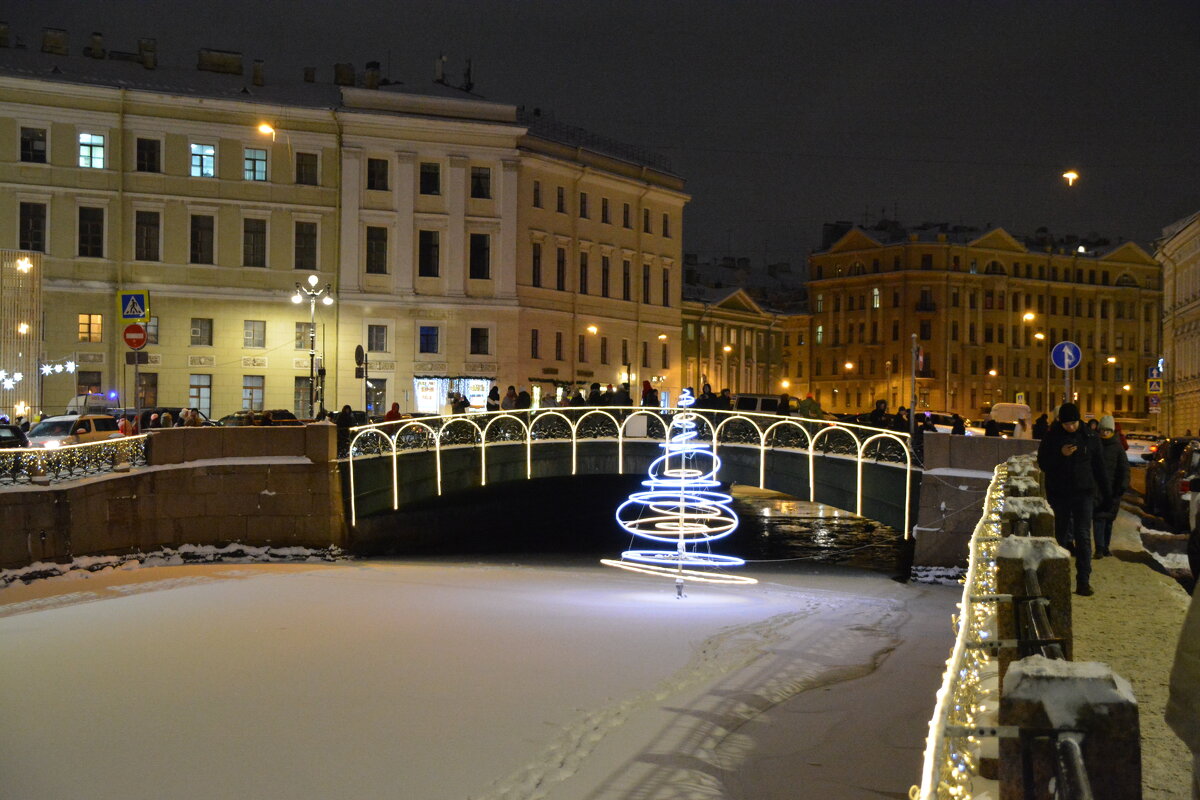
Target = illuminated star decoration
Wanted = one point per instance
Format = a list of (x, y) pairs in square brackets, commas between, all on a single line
[(10, 381), (65, 366), (680, 507)]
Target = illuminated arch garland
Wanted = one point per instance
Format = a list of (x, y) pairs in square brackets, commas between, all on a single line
[(681, 507)]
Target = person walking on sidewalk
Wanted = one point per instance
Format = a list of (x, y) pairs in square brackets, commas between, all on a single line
[(1116, 475), (1071, 462), (1183, 702)]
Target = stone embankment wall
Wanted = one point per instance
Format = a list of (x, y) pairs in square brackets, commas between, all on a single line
[(276, 487)]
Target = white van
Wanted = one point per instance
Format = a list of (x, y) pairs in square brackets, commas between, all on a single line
[(87, 404), (762, 403), (1016, 414)]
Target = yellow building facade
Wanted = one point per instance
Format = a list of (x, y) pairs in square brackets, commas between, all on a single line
[(420, 213), (986, 309), (732, 343), (1179, 253)]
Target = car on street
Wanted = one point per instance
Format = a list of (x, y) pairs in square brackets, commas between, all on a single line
[(1141, 447), (12, 436), (72, 429), (1162, 476), (239, 419)]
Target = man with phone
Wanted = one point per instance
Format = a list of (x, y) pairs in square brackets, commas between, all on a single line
[(1072, 463)]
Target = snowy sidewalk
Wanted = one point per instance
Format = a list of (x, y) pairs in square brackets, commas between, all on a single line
[(1132, 623)]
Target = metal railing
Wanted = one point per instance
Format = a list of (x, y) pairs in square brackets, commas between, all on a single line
[(619, 425), (31, 465)]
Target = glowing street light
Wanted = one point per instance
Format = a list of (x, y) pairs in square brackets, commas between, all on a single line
[(1111, 359), (1029, 316), (785, 383), (849, 365), (24, 264), (592, 329), (313, 294), (266, 130), (1071, 176), (1039, 336), (992, 372)]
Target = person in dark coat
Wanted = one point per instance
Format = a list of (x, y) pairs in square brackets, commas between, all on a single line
[(900, 423), (524, 400), (1073, 467), (344, 421), (957, 426), (621, 396), (493, 399), (1116, 473), (785, 405), (991, 427), (707, 398), (878, 418), (1041, 426), (649, 395), (595, 396), (577, 399)]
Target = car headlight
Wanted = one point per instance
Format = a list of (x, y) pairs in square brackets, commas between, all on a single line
[(50, 444)]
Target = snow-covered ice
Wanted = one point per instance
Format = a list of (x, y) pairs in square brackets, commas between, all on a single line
[(436, 680)]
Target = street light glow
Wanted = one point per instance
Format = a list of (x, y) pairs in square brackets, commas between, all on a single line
[(24, 264), (1039, 336), (1029, 316), (296, 298), (992, 372), (1111, 359), (312, 280), (1071, 176), (785, 383), (592, 329), (727, 348), (1126, 387), (849, 365)]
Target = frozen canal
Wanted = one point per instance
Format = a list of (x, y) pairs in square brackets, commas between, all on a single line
[(485, 679)]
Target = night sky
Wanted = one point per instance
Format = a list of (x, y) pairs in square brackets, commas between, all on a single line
[(782, 115)]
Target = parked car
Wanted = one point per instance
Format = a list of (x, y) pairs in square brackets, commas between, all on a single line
[(762, 403), (12, 436), (1161, 474), (238, 419), (143, 415), (71, 429), (1141, 447)]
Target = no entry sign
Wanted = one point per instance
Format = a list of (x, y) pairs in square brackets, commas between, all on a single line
[(135, 336)]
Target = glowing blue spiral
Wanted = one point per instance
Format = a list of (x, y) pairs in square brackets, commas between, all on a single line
[(681, 507)]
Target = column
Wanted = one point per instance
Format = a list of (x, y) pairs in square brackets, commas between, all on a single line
[(504, 254), (456, 227), (348, 256), (403, 200)]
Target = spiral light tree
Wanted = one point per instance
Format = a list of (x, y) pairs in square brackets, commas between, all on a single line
[(681, 507)]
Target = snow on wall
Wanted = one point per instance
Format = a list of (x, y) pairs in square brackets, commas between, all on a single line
[(1032, 550), (1065, 688)]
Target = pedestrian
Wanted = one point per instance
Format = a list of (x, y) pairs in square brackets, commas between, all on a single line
[(165, 421), (621, 396), (649, 395), (193, 419), (183, 415), (1116, 473), (1183, 699), (393, 413), (493, 399), (577, 399), (901, 421), (153, 421), (878, 418), (991, 427), (810, 408), (1073, 467), (606, 397), (785, 405), (510, 399), (724, 401), (1040, 426), (524, 401), (344, 421), (594, 395), (123, 426), (1093, 426), (927, 425), (706, 398), (958, 427), (251, 420), (1121, 436), (267, 420)]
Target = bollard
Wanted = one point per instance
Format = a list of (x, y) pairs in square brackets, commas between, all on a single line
[(1053, 565), (1085, 704), (1026, 516)]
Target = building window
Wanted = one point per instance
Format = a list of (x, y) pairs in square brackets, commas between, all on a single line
[(582, 355), (148, 157), (305, 335), (666, 226), (874, 298), (481, 183), (200, 393), (146, 227), (481, 256), (537, 264), (91, 328), (32, 227), (820, 334), (604, 276), (427, 340), (152, 331), (537, 194), (560, 270), (624, 352), (583, 273), (254, 164), (479, 342), (301, 394), (428, 254), (306, 169), (91, 151), (558, 346), (204, 160), (147, 389), (431, 177), (560, 200), (534, 350), (583, 205), (666, 356), (605, 216), (603, 349), (202, 329), (252, 392), (646, 355), (377, 250), (87, 382), (646, 221), (666, 287), (33, 145), (254, 333), (626, 281), (91, 232), (254, 242), (926, 330), (202, 233), (305, 256), (626, 219), (377, 338), (377, 174), (376, 395), (645, 283)]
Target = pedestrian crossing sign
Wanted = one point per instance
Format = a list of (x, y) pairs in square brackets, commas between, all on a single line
[(1154, 387), (133, 306)]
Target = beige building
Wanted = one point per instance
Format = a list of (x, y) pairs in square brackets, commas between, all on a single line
[(732, 343), (986, 309), (217, 192), (1179, 253)]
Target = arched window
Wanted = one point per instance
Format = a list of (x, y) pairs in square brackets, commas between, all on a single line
[(875, 298), (995, 268), (820, 334), (1126, 280)]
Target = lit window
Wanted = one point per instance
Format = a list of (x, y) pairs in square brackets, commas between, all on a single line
[(254, 164), (204, 161), (91, 151), (91, 328)]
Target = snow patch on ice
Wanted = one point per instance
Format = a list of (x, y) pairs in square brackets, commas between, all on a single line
[(945, 576)]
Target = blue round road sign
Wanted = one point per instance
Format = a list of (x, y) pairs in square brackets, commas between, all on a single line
[(1065, 355)]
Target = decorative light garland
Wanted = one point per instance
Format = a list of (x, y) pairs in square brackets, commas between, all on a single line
[(10, 381), (681, 508), (64, 366)]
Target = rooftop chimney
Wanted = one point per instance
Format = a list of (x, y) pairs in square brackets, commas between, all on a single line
[(343, 74), (54, 41), (371, 76), (222, 61), (310, 74), (148, 50), (258, 72), (96, 48)]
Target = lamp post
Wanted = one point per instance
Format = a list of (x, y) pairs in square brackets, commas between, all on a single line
[(726, 349), (325, 295)]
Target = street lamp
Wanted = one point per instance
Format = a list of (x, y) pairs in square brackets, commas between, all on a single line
[(325, 295), (727, 349)]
